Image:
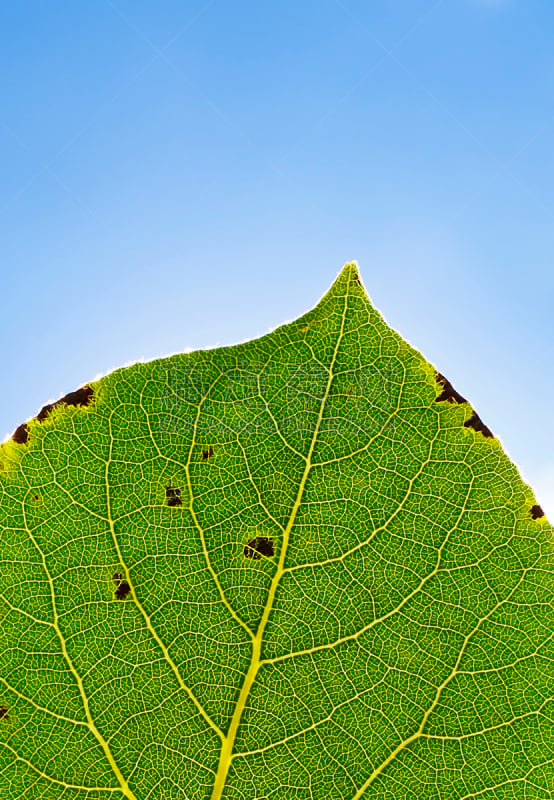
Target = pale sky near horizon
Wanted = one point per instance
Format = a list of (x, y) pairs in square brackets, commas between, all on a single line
[(181, 174)]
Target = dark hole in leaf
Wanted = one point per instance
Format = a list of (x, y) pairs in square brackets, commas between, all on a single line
[(206, 454), (80, 397), (448, 393), (477, 424), (21, 434), (122, 587), (122, 590), (3, 712), (258, 547), (173, 496), (536, 512)]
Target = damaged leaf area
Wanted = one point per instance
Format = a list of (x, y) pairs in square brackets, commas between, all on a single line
[(81, 397), (300, 567)]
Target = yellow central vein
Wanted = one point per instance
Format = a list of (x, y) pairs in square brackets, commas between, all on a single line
[(148, 622), (226, 754)]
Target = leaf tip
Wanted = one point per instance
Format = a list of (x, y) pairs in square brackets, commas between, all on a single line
[(347, 279)]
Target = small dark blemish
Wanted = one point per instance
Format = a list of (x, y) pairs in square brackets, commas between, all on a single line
[(448, 393), (122, 590), (3, 712), (477, 424), (260, 546), (173, 496), (356, 277), (122, 587), (80, 397), (21, 434), (206, 454), (536, 512), (44, 411)]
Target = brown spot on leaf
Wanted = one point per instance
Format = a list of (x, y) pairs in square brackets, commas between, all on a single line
[(173, 496), (536, 511), (3, 712), (478, 425), (258, 547), (122, 587), (80, 397), (44, 411), (122, 590), (206, 454), (21, 434), (448, 393)]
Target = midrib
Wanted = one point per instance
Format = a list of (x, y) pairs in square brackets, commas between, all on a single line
[(229, 740)]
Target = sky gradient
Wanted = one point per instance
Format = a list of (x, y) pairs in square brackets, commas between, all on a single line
[(185, 174)]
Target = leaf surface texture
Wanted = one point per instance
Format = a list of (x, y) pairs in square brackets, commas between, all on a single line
[(293, 568)]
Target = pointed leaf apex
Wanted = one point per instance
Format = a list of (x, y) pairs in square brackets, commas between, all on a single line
[(349, 273)]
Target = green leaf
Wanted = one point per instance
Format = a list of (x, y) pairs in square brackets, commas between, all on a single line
[(300, 567)]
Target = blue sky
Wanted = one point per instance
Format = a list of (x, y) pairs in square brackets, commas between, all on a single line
[(182, 174)]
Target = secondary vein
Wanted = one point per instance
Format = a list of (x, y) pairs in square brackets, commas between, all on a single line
[(173, 666)]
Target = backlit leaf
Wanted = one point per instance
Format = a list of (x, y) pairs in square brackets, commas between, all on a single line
[(301, 567)]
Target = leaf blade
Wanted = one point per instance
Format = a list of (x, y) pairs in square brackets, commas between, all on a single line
[(399, 601)]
